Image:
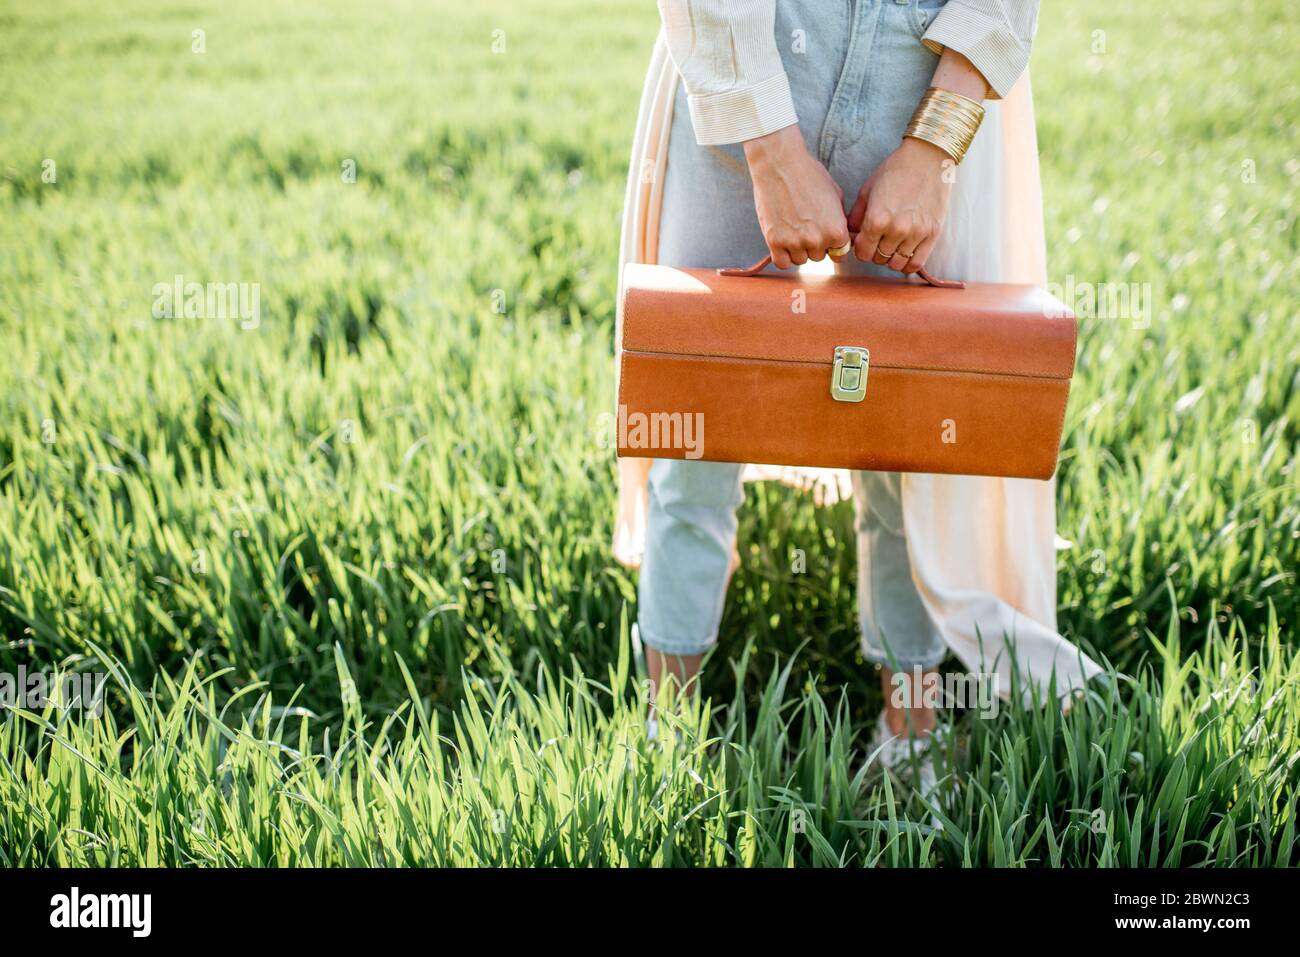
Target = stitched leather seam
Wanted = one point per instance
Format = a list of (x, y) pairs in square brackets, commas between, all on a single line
[(875, 364), (1060, 428)]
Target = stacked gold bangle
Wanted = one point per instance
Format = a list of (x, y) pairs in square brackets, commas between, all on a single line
[(948, 120)]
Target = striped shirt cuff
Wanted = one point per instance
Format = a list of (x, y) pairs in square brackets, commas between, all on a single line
[(744, 113), (989, 44)]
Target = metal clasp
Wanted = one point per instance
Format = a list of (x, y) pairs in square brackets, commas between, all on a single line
[(849, 374)]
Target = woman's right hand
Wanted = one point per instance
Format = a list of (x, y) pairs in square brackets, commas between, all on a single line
[(800, 208)]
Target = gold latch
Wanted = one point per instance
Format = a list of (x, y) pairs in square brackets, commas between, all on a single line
[(849, 375)]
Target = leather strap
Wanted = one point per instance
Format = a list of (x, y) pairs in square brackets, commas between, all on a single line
[(766, 261)]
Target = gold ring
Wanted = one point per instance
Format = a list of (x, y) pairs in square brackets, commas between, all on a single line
[(840, 250)]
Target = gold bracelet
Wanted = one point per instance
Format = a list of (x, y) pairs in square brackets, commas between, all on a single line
[(947, 120)]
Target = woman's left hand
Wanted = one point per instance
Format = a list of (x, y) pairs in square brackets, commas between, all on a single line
[(900, 210)]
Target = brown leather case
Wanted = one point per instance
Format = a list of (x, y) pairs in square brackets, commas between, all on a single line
[(742, 368)]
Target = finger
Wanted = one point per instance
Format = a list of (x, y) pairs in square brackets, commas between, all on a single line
[(866, 244), (798, 255), (918, 258), (838, 243), (886, 249), (903, 253), (875, 232), (898, 261), (858, 211), (779, 258)]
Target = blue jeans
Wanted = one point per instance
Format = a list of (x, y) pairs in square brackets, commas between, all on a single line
[(857, 70)]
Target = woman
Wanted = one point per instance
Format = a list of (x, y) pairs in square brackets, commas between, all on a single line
[(834, 128)]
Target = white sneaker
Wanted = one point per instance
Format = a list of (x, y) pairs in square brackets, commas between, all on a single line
[(897, 751)]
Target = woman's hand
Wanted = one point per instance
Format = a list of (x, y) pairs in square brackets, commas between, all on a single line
[(900, 210), (800, 208)]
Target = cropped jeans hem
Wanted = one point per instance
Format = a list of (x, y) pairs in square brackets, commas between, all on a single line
[(678, 646), (905, 662)]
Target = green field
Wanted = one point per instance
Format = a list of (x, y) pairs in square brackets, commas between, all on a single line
[(348, 567)]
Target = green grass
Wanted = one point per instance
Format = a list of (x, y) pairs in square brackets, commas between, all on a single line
[(546, 771), (386, 505)]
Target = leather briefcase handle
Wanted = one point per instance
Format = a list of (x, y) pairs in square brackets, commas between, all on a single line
[(766, 261)]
